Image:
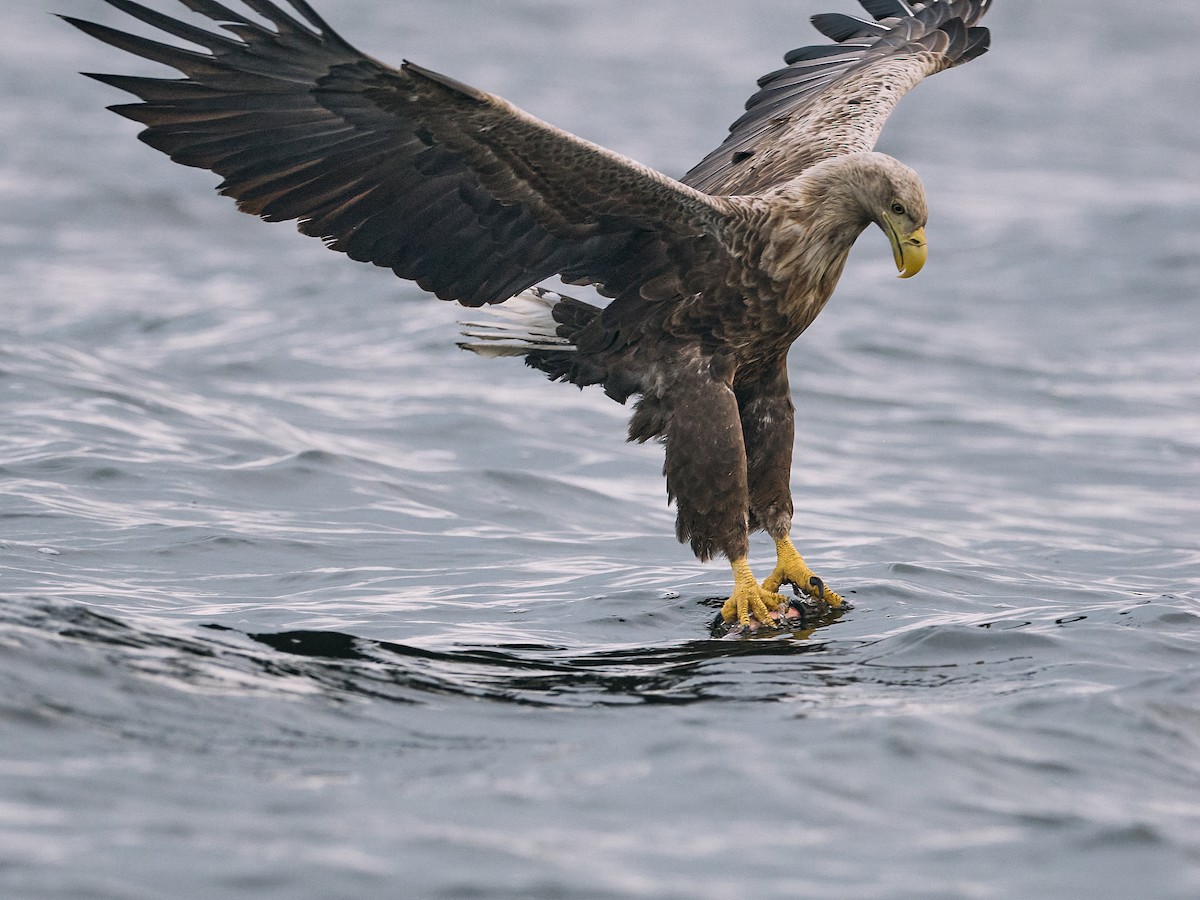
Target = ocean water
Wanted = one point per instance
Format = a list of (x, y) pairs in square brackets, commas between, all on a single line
[(297, 600)]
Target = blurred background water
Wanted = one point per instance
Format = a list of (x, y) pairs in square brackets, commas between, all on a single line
[(298, 600)]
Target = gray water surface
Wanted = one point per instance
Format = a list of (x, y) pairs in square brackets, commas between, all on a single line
[(300, 601)]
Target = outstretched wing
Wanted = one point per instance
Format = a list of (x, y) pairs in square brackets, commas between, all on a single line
[(835, 98), (404, 168)]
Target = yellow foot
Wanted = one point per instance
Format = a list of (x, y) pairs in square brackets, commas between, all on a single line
[(748, 598), (792, 569)]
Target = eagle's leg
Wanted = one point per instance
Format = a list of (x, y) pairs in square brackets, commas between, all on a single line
[(694, 412), (768, 428)]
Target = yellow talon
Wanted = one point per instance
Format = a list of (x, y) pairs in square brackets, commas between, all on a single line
[(749, 598), (792, 569)]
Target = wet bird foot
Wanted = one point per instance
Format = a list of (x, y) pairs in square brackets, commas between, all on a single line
[(749, 598), (791, 568)]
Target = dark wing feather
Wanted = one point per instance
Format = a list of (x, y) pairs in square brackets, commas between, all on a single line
[(404, 168), (834, 99)]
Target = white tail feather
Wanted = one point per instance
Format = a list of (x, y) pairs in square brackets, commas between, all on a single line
[(517, 326)]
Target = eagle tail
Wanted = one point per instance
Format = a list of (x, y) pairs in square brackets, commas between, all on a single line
[(520, 325), (541, 326)]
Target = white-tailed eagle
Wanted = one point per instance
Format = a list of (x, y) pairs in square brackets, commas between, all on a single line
[(711, 277)]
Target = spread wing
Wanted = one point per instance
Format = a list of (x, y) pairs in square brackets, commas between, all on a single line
[(447, 185), (835, 98)]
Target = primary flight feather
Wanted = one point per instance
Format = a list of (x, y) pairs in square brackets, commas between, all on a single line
[(711, 277)]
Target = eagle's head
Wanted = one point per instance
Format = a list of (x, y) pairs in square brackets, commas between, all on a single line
[(894, 199), (850, 191)]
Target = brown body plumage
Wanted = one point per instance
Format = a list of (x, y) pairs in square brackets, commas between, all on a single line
[(711, 278)]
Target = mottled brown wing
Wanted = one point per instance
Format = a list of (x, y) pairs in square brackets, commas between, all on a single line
[(404, 168), (834, 99)]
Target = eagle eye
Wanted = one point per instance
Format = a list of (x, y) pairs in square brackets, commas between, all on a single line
[(898, 209)]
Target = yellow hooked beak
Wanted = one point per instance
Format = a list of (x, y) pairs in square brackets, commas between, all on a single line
[(910, 251)]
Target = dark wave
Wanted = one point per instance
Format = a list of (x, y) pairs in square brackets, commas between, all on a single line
[(345, 665), (803, 665)]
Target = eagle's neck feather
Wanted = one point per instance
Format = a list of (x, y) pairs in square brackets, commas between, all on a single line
[(813, 224)]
